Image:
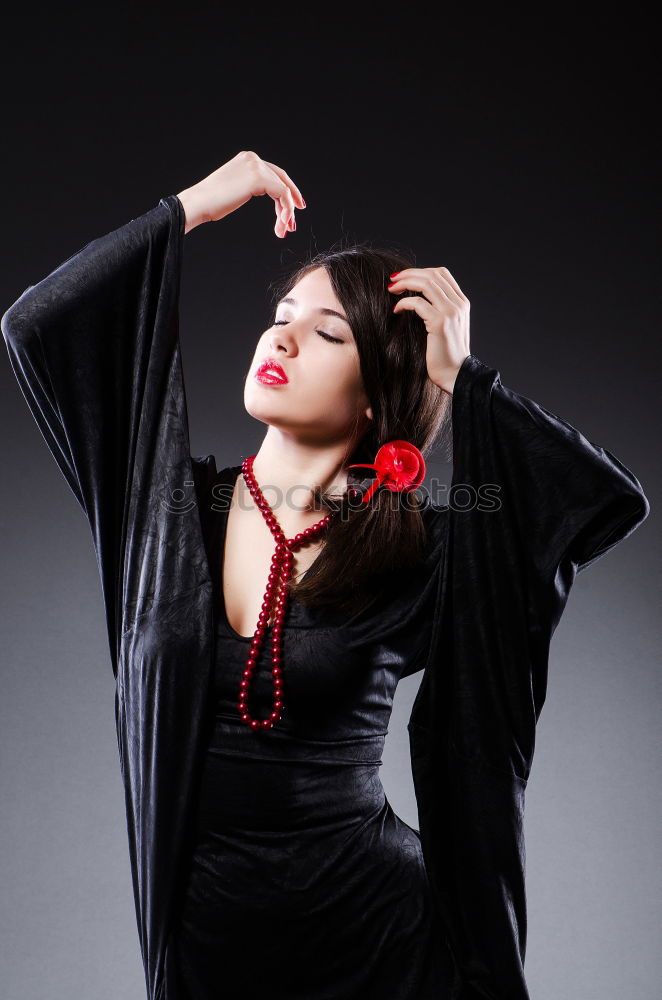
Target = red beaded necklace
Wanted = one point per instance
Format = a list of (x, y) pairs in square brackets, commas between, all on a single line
[(400, 467), (281, 570)]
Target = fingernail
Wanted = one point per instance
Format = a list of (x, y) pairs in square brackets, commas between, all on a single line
[(394, 274), (303, 200)]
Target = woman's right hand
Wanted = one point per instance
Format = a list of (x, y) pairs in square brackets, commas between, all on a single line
[(243, 177)]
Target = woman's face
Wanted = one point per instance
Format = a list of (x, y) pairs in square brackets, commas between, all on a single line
[(324, 393)]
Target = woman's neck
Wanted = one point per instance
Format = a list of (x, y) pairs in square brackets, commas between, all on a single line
[(287, 475)]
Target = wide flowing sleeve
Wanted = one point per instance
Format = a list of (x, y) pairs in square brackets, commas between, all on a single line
[(532, 503), (94, 347)]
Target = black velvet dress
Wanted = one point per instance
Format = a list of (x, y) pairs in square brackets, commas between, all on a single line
[(270, 864), (302, 883)]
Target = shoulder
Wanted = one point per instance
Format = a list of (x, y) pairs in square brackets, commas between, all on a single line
[(204, 471), (214, 487)]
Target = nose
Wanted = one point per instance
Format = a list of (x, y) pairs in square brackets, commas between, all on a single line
[(282, 338)]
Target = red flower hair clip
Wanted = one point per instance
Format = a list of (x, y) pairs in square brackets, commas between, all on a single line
[(399, 466)]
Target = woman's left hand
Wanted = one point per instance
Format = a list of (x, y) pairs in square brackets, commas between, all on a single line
[(444, 309)]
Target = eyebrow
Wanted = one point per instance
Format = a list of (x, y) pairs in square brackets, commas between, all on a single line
[(324, 312)]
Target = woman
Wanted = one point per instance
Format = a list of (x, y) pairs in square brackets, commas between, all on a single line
[(256, 664)]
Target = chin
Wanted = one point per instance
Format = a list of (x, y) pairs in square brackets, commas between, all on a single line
[(262, 410)]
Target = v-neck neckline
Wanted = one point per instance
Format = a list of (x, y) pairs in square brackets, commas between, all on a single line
[(292, 604)]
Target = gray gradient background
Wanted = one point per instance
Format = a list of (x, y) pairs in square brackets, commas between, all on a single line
[(519, 155)]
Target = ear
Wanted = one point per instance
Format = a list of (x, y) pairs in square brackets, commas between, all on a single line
[(368, 413)]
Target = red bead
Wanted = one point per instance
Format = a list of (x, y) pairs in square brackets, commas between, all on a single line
[(282, 562)]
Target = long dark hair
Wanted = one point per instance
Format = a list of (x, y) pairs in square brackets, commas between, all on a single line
[(365, 541)]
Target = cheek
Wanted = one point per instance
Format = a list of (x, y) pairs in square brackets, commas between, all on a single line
[(328, 384), (334, 383)]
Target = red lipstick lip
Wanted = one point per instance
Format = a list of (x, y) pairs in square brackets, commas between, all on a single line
[(280, 378)]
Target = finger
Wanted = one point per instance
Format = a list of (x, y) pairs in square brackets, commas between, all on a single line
[(282, 197), (284, 176), (281, 227), (417, 304), (284, 211), (288, 207), (445, 273), (422, 278), (286, 197), (280, 192), (448, 291), (429, 285), (288, 215)]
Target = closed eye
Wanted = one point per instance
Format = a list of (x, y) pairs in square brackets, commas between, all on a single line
[(327, 336)]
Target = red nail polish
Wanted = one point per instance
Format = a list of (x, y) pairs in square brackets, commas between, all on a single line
[(395, 273)]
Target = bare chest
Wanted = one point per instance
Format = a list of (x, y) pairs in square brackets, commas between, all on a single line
[(247, 553)]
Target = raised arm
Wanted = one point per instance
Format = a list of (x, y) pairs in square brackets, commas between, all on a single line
[(95, 350), (532, 502), (93, 346)]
